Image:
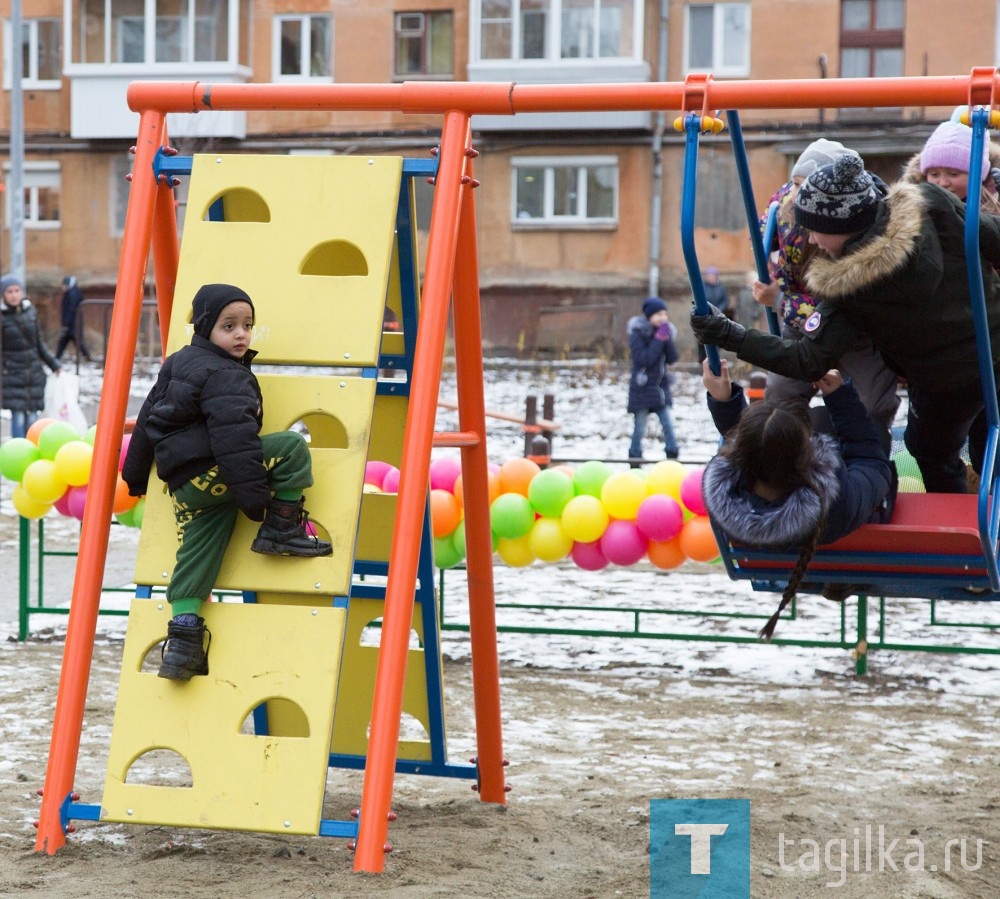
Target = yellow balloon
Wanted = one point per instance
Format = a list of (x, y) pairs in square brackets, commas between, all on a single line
[(42, 482), (73, 462), (516, 553), (548, 541), (26, 506), (666, 477), (622, 494), (584, 518)]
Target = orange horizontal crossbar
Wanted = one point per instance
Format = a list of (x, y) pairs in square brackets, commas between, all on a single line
[(510, 98)]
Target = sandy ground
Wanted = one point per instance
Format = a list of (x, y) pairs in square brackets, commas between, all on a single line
[(825, 757)]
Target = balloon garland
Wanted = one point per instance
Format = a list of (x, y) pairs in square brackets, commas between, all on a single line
[(51, 468), (592, 515)]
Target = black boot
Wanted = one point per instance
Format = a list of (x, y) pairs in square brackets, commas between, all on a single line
[(184, 653), (283, 532)]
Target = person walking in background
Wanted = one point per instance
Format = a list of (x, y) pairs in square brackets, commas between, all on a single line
[(715, 291), (653, 346), (24, 353), (71, 299)]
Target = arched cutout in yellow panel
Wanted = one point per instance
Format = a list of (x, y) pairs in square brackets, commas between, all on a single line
[(159, 767), (338, 258), (152, 657), (371, 635), (411, 730), (294, 721), (239, 205), (321, 430)]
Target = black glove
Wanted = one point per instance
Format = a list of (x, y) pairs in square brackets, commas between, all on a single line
[(715, 329)]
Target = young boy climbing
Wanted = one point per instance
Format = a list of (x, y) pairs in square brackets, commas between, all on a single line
[(201, 424)]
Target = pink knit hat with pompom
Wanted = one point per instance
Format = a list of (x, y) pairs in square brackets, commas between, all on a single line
[(949, 147)]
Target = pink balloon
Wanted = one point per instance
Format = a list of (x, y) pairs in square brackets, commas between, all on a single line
[(126, 440), (660, 517), (623, 542), (375, 472), (443, 473), (691, 492), (62, 504), (391, 482), (77, 500), (588, 556)]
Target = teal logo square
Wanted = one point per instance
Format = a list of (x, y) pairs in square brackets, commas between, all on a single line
[(699, 848)]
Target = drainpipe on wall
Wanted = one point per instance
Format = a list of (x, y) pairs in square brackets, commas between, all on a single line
[(15, 181), (660, 119)]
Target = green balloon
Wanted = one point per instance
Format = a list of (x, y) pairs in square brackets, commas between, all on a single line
[(549, 491), (90, 435), (590, 477), (54, 436), (511, 515), (445, 553), (15, 456)]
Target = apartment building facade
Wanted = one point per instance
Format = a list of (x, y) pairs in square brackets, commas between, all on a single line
[(579, 213)]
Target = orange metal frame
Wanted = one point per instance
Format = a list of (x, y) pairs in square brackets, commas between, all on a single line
[(451, 270)]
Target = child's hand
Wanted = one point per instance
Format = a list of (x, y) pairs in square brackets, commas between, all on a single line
[(765, 294), (832, 380), (718, 385)]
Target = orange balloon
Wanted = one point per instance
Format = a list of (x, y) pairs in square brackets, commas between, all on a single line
[(122, 502), (666, 554), (567, 470), (446, 513), (697, 539), (492, 487), (36, 429), (516, 474)]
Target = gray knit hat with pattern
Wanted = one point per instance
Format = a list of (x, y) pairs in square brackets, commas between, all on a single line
[(839, 198)]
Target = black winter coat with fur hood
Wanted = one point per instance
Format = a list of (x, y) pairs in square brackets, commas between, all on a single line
[(855, 479), (903, 282), (205, 409)]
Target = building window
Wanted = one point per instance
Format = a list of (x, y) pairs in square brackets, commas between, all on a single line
[(41, 195), (719, 204), (41, 54), (556, 30), (424, 44), (303, 48), (871, 38), (717, 39), (565, 192)]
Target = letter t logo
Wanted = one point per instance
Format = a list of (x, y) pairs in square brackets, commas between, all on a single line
[(701, 843)]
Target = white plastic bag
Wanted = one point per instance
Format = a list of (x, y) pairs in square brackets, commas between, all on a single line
[(62, 394)]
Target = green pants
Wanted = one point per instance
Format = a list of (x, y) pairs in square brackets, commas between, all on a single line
[(206, 514)]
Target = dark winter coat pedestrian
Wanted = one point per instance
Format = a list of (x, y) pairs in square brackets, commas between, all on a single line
[(24, 352), (649, 384)]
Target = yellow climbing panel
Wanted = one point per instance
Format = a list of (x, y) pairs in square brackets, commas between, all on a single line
[(311, 240)]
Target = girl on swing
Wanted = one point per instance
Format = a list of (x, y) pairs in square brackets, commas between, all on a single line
[(777, 484)]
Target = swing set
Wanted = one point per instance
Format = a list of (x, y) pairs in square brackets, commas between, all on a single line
[(936, 547)]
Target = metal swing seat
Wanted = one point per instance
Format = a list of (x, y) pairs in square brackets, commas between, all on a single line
[(937, 546)]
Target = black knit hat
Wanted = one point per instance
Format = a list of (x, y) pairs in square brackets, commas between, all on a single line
[(209, 301), (653, 305), (839, 198)]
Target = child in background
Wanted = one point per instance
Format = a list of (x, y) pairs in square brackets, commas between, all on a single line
[(651, 341), (777, 485), (201, 425), (893, 268), (875, 382)]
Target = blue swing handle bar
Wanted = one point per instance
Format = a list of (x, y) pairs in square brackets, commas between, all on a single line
[(988, 511), (692, 128), (761, 247)]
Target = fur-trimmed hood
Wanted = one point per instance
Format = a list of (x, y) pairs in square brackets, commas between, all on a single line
[(883, 249), (748, 519)]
